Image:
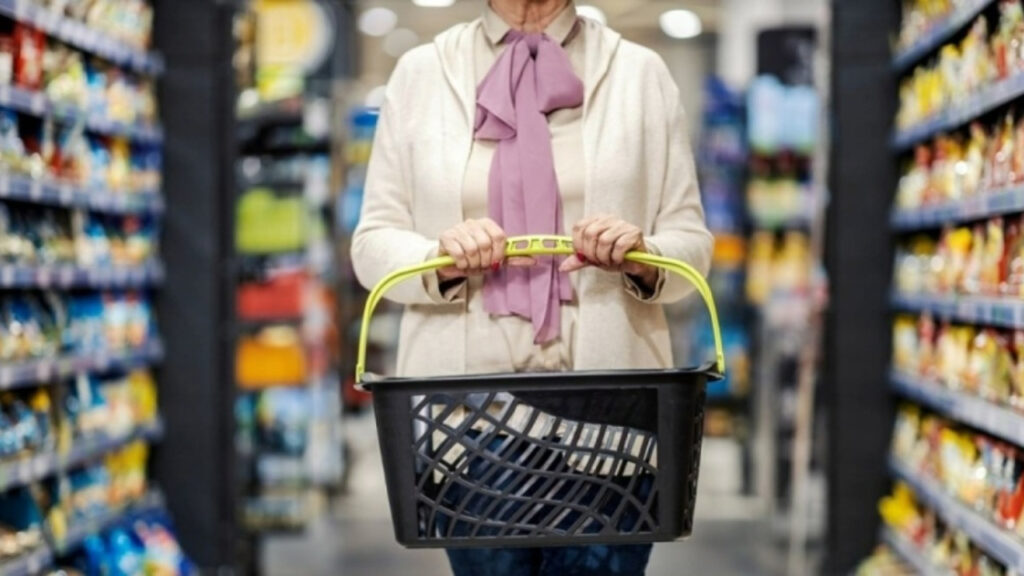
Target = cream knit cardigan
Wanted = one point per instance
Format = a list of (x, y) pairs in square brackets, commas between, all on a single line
[(639, 167)]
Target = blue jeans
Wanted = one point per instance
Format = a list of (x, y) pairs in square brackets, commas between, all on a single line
[(595, 560)]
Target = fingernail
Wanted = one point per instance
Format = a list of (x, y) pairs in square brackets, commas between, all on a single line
[(496, 266), (582, 258)]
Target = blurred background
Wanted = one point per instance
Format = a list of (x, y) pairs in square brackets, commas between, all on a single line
[(180, 180)]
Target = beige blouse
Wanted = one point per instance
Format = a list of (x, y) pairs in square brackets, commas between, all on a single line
[(511, 337)]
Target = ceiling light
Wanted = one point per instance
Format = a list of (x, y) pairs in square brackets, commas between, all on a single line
[(433, 3), (680, 24), (377, 21), (592, 12), (400, 41)]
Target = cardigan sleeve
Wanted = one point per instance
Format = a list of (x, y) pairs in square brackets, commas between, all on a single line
[(385, 239), (679, 230)]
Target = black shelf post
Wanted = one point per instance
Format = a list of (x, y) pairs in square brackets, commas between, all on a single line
[(195, 463), (863, 179)]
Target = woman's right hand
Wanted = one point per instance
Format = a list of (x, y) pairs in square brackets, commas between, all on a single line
[(477, 246)]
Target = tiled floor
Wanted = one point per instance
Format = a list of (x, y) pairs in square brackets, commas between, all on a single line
[(356, 538)]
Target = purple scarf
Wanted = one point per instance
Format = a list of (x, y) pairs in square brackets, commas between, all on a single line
[(532, 78)]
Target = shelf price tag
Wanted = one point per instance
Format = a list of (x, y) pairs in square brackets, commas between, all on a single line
[(44, 277), (67, 276), (44, 371)]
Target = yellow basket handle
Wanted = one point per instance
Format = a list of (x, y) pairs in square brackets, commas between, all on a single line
[(526, 246)]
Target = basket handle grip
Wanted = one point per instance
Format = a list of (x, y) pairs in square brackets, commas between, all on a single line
[(526, 246)]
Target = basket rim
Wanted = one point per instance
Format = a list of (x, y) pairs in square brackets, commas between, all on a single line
[(520, 380)]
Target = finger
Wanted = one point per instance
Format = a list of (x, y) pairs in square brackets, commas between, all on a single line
[(471, 252), (498, 240), (623, 245), (572, 264), (591, 236), (483, 244), (450, 246), (577, 231), (606, 244)]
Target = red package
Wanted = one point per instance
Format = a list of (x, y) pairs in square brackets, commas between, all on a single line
[(29, 47)]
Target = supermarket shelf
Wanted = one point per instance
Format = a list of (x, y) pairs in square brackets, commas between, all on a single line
[(985, 100), (39, 104), (28, 564), (41, 466), (911, 555), (976, 412), (983, 205), (1000, 544), (1004, 312), (942, 32), (152, 503), (25, 189), (34, 372), (68, 276), (81, 36)]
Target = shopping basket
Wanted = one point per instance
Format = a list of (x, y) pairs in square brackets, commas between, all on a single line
[(541, 459)]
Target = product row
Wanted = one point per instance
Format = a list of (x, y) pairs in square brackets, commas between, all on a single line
[(112, 492), (778, 266), (48, 325), (145, 546), (35, 236), (43, 149), (943, 546), (128, 21), (41, 421), (983, 56), (922, 17), (984, 259), (983, 362), (779, 190), (953, 168), (983, 473), (31, 60)]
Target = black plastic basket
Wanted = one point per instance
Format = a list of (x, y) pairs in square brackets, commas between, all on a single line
[(542, 459)]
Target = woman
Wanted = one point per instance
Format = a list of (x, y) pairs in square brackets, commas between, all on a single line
[(531, 120)]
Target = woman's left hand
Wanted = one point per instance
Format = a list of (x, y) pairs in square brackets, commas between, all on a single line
[(604, 241)]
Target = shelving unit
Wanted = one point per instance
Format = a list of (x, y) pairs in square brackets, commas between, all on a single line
[(864, 389), (55, 373)]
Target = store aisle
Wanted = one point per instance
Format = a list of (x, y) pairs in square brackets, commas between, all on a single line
[(356, 539)]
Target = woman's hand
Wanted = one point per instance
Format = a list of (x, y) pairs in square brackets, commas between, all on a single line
[(604, 241), (477, 246)]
